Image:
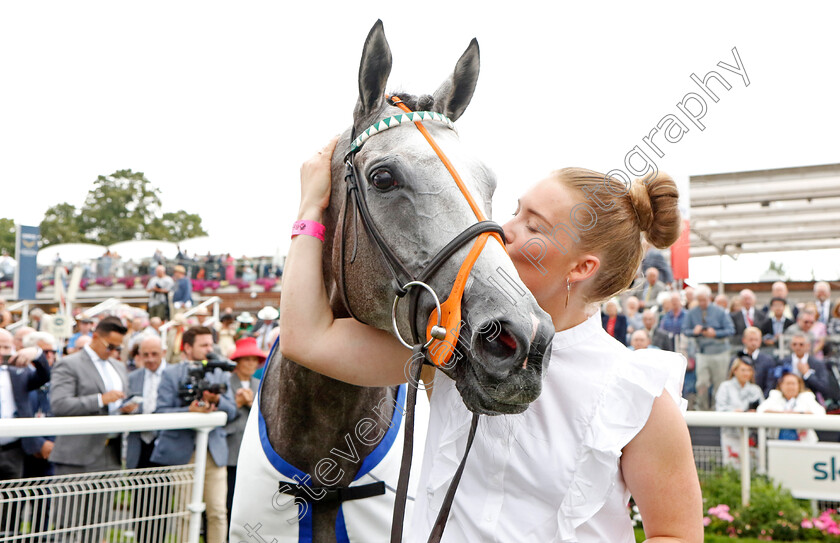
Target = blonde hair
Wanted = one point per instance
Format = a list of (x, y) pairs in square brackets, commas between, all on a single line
[(622, 215), (737, 363)]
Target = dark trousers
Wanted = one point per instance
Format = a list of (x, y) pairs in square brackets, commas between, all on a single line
[(39, 467), (76, 511), (231, 474), (11, 467)]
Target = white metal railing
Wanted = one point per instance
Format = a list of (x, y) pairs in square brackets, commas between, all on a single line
[(762, 421), (110, 303), (212, 300), (103, 486)]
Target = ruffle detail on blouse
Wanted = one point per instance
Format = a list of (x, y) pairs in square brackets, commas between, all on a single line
[(622, 410)]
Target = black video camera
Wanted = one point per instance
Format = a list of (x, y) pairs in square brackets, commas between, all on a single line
[(195, 385)]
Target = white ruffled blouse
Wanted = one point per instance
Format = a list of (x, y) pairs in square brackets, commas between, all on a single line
[(552, 473)]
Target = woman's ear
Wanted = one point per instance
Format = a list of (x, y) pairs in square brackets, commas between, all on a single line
[(584, 268)]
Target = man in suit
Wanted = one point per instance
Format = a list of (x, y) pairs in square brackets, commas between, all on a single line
[(805, 325), (658, 338), (145, 382), (243, 386), (15, 384), (802, 363), (749, 315), (86, 383), (776, 323), (822, 299), (650, 288), (174, 447), (38, 463), (751, 351), (90, 382)]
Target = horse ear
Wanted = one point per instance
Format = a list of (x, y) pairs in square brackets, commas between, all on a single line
[(454, 95), (373, 71)]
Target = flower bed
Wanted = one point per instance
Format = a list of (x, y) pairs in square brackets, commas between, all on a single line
[(773, 514)]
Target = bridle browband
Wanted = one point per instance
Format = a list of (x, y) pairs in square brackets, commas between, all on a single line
[(444, 322)]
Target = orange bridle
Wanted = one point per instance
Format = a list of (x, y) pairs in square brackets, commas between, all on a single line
[(440, 351)]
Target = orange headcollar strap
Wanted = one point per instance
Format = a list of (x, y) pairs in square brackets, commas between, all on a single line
[(440, 351)]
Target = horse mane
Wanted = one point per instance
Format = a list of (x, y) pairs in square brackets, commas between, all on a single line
[(424, 102)]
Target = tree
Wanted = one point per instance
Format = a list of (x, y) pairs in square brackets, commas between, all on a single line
[(61, 224), (120, 207), (177, 226), (7, 236)]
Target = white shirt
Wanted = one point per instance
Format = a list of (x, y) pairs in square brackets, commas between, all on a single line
[(552, 473), (109, 376), (794, 361), (7, 401), (749, 315), (151, 383)]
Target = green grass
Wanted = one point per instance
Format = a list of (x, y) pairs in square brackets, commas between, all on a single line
[(640, 536)]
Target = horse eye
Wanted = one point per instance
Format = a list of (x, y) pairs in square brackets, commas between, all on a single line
[(383, 180)]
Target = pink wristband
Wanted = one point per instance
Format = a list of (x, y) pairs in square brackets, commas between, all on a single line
[(309, 228)]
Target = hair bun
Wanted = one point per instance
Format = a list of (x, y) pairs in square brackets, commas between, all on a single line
[(656, 206)]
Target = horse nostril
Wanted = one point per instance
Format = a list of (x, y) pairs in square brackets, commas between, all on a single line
[(496, 341)]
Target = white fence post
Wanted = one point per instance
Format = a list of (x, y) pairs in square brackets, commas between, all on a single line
[(762, 450), (196, 506), (745, 465)]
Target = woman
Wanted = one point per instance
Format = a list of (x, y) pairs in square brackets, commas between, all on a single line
[(819, 331), (607, 423), (791, 396), (739, 394), (613, 323), (227, 334)]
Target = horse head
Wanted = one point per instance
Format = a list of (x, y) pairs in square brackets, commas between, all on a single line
[(504, 337)]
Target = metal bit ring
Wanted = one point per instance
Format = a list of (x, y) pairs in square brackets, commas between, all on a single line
[(438, 331)]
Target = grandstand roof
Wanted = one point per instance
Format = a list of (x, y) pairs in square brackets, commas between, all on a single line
[(765, 210)]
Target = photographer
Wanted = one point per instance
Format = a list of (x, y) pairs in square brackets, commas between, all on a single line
[(188, 386), (712, 326)]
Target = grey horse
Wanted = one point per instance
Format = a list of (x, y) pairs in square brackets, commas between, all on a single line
[(416, 205)]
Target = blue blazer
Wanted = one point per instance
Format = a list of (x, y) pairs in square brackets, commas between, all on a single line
[(173, 447), (817, 382), (620, 326), (23, 381)]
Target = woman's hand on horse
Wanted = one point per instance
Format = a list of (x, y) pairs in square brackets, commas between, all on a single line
[(315, 182)]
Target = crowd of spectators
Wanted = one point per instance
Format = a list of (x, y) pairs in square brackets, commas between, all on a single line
[(110, 268), (131, 363), (781, 357)]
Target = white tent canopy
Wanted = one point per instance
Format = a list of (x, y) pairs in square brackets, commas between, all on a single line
[(143, 249), (70, 252)]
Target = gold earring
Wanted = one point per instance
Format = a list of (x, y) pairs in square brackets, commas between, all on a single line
[(568, 291)]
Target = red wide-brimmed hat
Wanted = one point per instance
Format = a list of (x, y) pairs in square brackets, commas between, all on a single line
[(247, 346)]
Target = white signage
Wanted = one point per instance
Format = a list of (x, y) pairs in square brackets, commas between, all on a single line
[(809, 471), (60, 326)]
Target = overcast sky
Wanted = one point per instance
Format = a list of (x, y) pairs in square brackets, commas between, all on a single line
[(219, 103)]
